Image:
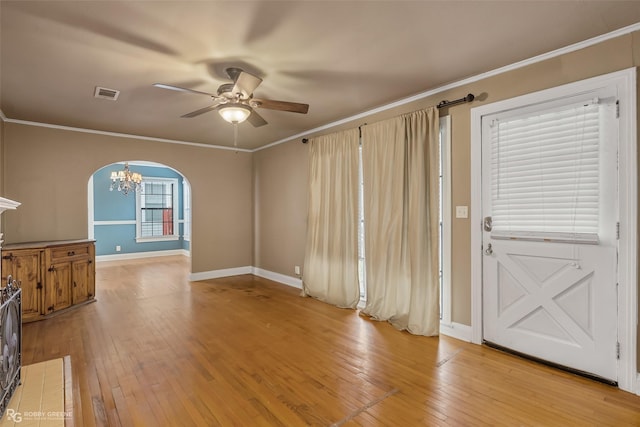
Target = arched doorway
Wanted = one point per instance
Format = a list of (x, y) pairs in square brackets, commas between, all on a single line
[(155, 221)]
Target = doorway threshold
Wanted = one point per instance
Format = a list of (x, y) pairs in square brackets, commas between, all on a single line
[(551, 364)]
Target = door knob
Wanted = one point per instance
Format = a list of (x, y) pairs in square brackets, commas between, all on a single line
[(489, 250)]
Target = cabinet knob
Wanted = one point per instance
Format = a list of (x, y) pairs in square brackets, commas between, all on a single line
[(71, 253)]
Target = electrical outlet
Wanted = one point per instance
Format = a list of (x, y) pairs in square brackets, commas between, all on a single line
[(297, 269), (118, 248)]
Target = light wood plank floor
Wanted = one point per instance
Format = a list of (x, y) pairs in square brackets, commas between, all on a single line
[(157, 350)]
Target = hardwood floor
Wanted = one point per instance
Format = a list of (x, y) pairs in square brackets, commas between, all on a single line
[(158, 350)]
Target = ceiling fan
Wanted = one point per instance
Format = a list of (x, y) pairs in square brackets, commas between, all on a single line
[(235, 101)]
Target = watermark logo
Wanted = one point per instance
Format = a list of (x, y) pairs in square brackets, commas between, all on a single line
[(14, 415), (18, 417)]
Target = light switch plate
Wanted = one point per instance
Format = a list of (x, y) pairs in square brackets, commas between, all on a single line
[(462, 212)]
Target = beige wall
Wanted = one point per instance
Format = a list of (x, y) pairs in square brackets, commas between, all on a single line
[(1, 155), (275, 207), (280, 179), (47, 170)]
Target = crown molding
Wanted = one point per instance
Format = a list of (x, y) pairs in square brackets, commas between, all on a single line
[(124, 135), (539, 58), (7, 204)]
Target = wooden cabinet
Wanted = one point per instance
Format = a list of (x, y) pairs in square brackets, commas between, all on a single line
[(25, 266), (54, 276), (57, 293), (82, 282)]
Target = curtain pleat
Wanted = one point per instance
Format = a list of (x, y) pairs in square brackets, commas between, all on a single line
[(331, 255), (401, 203)]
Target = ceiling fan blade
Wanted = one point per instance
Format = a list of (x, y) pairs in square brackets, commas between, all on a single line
[(246, 83), (183, 89), (256, 119), (270, 104), (200, 111)]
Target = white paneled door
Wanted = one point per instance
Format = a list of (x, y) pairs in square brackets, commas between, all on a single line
[(555, 303), (549, 234)]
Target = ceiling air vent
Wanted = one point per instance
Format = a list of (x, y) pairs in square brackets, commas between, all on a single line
[(106, 93)]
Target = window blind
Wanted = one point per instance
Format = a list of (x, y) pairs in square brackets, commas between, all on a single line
[(545, 174)]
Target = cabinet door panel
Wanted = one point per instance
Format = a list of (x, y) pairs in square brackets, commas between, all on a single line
[(24, 266), (58, 291), (80, 282)]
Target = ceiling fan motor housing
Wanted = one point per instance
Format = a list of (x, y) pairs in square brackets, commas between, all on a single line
[(233, 73), (225, 90)]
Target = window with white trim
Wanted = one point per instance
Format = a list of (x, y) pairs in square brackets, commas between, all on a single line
[(186, 210), (156, 210), (445, 219), (362, 273)]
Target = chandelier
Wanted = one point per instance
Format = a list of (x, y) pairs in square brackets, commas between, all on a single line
[(125, 180)]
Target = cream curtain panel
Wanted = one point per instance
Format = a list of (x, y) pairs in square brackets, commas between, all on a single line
[(331, 255), (401, 201)]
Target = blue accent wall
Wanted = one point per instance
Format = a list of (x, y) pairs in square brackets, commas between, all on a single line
[(115, 206)]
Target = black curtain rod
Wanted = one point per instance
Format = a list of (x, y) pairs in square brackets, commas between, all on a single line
[(470, 97), (305, 140)]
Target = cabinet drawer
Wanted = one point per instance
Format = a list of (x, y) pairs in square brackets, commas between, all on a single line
[(67, 253)]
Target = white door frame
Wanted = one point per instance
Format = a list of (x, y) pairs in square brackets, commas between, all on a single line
[(628, 378)]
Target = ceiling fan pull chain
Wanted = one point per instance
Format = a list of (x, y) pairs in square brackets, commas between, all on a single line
[(235, 134)]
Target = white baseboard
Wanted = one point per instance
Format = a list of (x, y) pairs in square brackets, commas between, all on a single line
[(137, 255), (237, 271), (637, 390), (215, 274), (277, 277), (456, 330)]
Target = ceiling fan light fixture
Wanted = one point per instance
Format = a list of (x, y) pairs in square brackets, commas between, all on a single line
[(236, 113)]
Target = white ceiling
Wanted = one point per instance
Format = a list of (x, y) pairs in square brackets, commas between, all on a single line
[(340, 57)]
